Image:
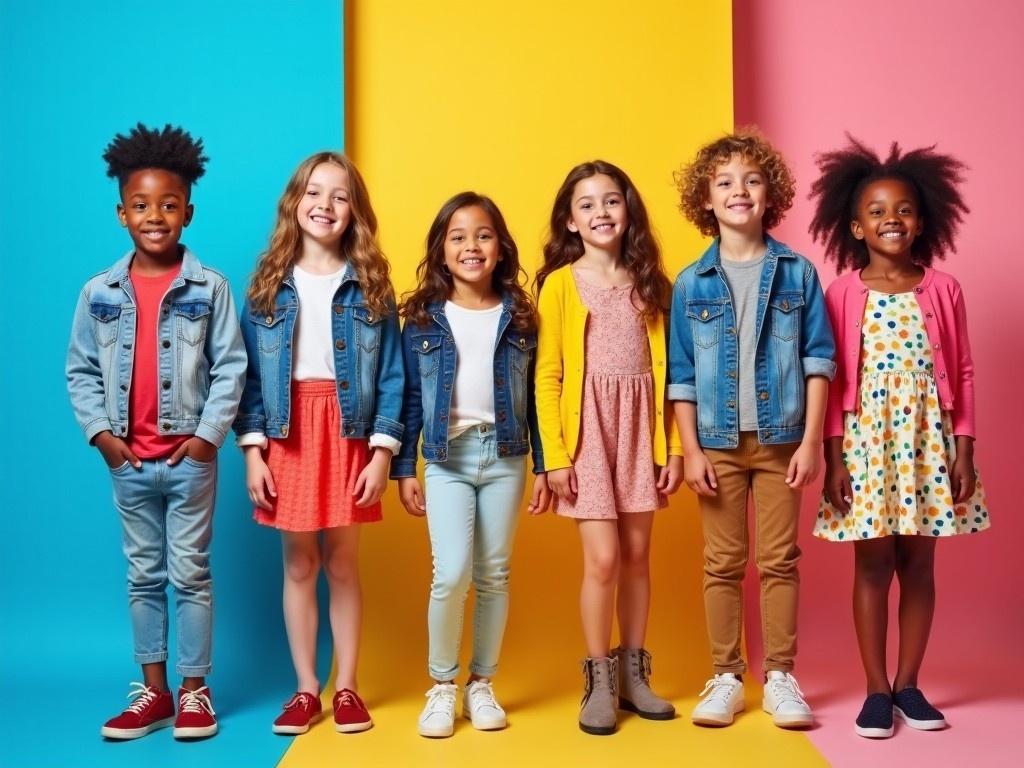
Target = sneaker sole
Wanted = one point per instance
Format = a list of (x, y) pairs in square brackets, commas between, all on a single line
[(631, 707), (435, 733), (788, 721), (125, 734), (718, 720), (920, 725), (353, 727), (195, 733), (485, 725), (295, 730), (874, 733), (598, 730)]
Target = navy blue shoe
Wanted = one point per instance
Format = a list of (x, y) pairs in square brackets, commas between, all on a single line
[(910, 706), (875, 718)]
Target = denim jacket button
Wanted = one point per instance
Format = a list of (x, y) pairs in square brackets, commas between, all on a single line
[(763, 395), (499, 382), (340, 344), (703, 314), (165, 426), (426, 343), (502, 416), (166, 344), (343, 384), (124, 387), (269, 319), (166, 384), (337, 309), (284, 431)]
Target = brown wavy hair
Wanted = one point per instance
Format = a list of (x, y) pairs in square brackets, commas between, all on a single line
[(435, 284), (359, 244), (641, 254), (693, 179)]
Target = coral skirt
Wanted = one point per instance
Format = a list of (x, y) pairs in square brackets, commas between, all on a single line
[(314, 468)]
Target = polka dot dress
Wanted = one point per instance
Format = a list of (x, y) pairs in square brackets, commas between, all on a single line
[(899, 446)]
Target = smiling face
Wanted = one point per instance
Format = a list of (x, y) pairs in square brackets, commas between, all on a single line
[(471, 250), (323, 212), (887, 219), (598, 212), (738, 194), (154, 208)]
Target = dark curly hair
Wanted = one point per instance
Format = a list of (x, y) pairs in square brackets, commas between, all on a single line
[(846, 173), (171, 149), (641, 255), (693, 179), (434, 283)]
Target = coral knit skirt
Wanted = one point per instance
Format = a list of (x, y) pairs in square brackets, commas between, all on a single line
[(314, 468)]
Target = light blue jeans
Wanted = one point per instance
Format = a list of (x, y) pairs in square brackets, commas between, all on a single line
[(167, 520), (473, 502)]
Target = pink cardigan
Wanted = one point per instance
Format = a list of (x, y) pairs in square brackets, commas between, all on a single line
[(945, 322)]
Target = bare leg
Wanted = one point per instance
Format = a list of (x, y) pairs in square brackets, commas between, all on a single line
[(875, 562), (634, 598), (915, 569), (341, 565), (600, 540), (301, 568)]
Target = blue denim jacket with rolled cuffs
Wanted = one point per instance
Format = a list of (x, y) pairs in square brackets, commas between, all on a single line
[(793, 341), (368, 368), (200, 355), (430, 362)]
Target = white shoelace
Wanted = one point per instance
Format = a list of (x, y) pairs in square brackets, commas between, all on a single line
[(143, 696), (786, 689), (441, 700), (719, 688), (194, 702), (482, 694)]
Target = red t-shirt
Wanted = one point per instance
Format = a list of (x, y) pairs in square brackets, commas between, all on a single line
[(144, 438)]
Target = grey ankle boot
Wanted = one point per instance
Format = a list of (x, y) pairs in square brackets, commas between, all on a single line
[(597, 715), (635, 692)]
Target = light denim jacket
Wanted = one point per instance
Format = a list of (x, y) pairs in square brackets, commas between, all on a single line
[(793, 337), (430, 358), (201, 359), (367, 364)]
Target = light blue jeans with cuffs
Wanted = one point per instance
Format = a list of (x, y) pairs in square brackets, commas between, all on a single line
[(473, 502), (167, 520)]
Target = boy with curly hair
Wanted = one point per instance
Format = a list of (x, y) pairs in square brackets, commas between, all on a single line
[(155, 370), (750, 358)]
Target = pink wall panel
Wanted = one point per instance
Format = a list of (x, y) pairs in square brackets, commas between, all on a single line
[(940, 72)]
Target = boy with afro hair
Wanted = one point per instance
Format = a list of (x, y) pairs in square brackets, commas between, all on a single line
[(155, 371)]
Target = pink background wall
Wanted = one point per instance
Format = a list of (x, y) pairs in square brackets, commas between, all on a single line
[(942, 72)]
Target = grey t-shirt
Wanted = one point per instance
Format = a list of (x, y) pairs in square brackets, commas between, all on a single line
[(743, 279)]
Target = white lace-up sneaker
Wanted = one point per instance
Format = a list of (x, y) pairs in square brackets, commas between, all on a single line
[(784, 701), (437, 720), (478, 705), (723, 698)]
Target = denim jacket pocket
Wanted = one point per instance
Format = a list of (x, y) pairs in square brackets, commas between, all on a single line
[(191, 318), (367, 328), (785, 315), (428, 354), (269, 329), (706, 319), (106, 318)]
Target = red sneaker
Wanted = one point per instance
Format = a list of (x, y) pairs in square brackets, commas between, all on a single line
[(196, 718), (350, 715), (300, 711), (152, 709)]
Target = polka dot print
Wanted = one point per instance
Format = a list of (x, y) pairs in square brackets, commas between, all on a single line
[(899, 445)]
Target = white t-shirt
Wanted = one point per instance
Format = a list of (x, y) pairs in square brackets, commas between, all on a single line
[(475, 332), (313, 356)]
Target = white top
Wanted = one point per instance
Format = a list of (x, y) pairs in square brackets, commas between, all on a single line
[(475, 332), (313, 355)]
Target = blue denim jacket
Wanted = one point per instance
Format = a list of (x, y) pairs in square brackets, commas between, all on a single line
[(367, 364), (793, 336), (430, 367), (200, 358)]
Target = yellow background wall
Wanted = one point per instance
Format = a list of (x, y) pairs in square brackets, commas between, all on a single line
[(504, 98)]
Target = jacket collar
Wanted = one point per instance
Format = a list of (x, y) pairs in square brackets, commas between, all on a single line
[(712, 258), (191, 269)]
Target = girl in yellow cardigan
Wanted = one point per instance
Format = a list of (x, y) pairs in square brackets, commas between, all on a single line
[(611, 454)]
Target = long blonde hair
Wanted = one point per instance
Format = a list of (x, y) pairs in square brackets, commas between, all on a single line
[(359, 244)]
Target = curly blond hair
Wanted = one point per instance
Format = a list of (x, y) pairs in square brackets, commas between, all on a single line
[(693, 179), (359, 244)]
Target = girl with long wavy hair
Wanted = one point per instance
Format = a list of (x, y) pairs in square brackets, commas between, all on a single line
[(319, 418), (611, 453)]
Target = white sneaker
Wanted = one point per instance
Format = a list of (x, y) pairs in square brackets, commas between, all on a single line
[(784, 701), (437, 720), (478, 705), (723, 698)]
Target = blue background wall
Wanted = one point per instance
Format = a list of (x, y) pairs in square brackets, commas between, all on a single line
[(261, 82)]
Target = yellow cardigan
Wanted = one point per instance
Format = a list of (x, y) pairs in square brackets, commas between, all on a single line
[(562, 325)]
